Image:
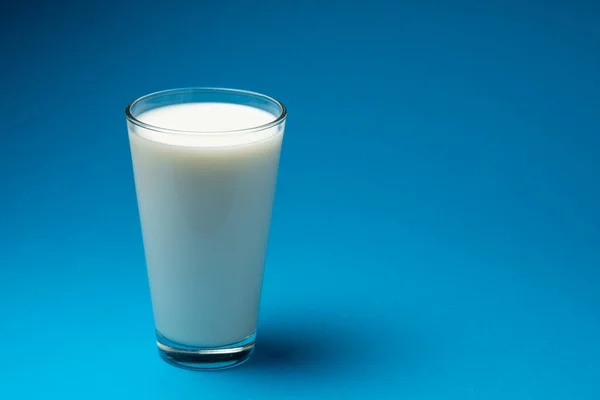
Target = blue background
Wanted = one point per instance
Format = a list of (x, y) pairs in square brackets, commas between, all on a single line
[(436, 232)]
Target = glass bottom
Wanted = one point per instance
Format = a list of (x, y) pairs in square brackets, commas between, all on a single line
[(205, 359)]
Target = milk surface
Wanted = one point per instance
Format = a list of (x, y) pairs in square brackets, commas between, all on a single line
[(205, 201)]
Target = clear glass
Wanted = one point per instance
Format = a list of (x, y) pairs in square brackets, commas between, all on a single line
[(205, 200)]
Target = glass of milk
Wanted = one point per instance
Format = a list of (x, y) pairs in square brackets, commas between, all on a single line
[(205, 164)]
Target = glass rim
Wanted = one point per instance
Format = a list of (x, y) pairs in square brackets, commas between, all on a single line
[(276, 121)]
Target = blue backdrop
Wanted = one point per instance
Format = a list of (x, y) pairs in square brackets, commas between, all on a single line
[(436, 232)]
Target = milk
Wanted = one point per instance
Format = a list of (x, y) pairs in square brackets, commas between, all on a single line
[(205, 203)]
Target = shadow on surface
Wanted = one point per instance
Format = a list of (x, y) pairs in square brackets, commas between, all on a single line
[(318, 350), (294, 351)]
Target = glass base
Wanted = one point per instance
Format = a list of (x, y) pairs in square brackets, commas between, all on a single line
[(205, 359)]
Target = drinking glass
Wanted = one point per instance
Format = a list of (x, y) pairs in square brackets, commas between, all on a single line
[(205, 164)]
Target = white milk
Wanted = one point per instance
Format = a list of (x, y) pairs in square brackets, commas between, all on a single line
[(205, 207)]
